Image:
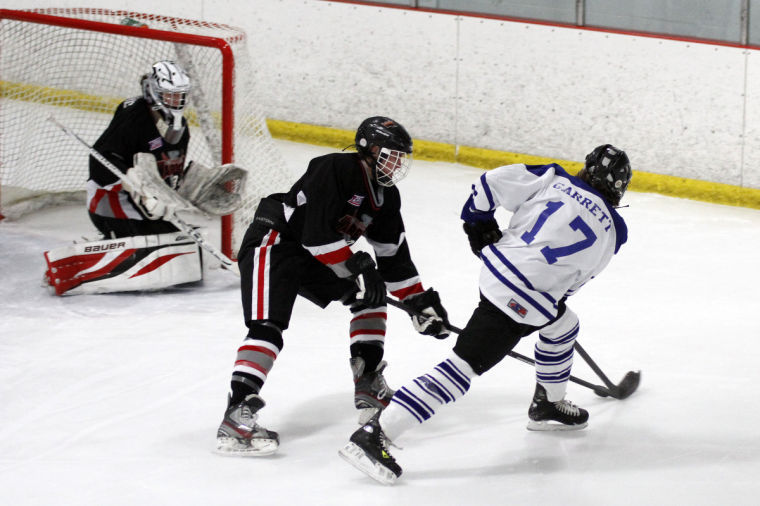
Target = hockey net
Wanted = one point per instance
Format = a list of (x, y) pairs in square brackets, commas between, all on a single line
[(78, 64)]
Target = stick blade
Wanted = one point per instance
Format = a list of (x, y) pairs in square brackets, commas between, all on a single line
[(601, 391), (628, 385)]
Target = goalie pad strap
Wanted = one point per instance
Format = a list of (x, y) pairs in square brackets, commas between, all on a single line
[(137, 263)]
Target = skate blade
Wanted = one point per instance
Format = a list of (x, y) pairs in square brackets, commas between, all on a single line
[(258, 448), (550, 426), (355, 456)]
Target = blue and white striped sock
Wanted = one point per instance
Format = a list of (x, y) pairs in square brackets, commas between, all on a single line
[(417, 401), (554, 355)]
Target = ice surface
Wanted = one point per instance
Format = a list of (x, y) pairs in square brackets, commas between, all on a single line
[(115, 399)]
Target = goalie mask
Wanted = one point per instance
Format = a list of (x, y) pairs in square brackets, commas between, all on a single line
[(166, 89), (389, 146), (608, 171)]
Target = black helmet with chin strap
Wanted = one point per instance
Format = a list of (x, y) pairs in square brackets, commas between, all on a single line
[(393, 154), (608, 171)]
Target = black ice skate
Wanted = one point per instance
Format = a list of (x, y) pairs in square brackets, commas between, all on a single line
[(561, 415), (240, 435), (371, 393), (368, 452)]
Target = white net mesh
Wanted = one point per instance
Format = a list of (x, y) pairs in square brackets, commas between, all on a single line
[(80, 73)]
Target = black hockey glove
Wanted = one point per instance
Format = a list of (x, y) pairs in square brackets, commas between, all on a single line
[(481, 234), (429, 303), (371, 285)]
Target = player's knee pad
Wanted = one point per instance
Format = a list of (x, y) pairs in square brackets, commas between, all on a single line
[(265, 330), (563, 330), (138, 263)]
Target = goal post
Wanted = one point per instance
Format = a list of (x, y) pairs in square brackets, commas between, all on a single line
[(78, 64)]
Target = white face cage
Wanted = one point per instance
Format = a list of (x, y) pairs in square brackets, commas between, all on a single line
[(392, 166), (168, 86)]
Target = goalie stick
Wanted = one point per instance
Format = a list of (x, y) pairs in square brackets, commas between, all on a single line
[(175, 220), (622, 390)]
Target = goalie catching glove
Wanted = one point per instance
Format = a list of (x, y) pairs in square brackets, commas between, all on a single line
[(149, 192), (213, 190), (371, 285), (435, 319)]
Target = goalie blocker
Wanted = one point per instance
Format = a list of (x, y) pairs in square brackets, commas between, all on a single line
[(148, 262)]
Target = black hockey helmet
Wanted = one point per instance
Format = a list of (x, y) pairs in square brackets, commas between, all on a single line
[(608, 171), (394, 154)]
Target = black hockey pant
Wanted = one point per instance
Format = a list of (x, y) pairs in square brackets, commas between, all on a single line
[(490, 335), (113, 228)]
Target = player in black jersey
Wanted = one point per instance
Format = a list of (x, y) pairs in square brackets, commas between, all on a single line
[(152, 123), (299, 244)]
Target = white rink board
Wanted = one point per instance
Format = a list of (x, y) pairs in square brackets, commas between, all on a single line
[(751, 172), (678, 108), (595, 88), (386, 62)]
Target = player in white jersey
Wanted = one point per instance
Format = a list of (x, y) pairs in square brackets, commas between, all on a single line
[(563, 231)]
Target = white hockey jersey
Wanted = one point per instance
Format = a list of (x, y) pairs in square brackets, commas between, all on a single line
[(561, 234)]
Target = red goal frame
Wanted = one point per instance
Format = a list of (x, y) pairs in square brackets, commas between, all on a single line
[(221, 44)]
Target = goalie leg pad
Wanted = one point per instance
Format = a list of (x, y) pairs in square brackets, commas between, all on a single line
[(138, 263)]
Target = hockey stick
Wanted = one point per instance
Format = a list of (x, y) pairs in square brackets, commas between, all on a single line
[(175, 220), (624, 389)]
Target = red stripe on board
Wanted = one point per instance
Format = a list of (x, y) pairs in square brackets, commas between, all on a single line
[(559, 24), (259, 349), (335, 257), (158, 262)]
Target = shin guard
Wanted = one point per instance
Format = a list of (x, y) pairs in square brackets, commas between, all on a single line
[(554, 355), (255, 358), (419, 399)]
